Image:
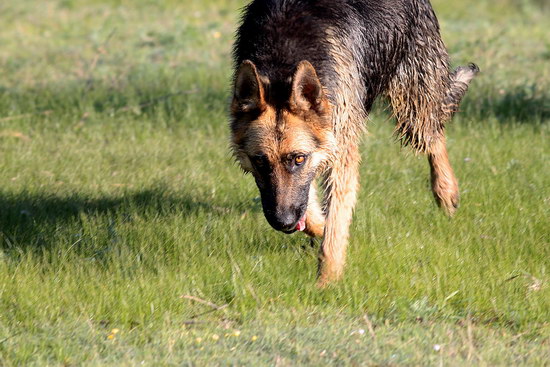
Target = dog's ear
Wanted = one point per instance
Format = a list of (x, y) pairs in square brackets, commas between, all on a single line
[(248, 95), (307, 92)]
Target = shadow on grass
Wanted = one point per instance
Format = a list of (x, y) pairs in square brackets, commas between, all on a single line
[(520, 104), (142, 95), (149, 95), (31, 221)]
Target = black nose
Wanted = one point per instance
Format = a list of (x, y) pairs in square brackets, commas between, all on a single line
[(283, 217), (286, 221)]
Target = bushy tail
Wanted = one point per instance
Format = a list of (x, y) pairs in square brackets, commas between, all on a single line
[(460, 79)]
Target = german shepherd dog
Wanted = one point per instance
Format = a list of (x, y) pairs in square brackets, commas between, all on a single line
[(307, 73)]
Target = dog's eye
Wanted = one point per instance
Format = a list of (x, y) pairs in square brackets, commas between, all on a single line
[(258, 160), (299, 160)]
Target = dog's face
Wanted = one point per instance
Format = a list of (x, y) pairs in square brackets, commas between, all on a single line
[(283, 145)]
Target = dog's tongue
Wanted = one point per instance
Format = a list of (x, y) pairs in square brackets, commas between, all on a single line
[(301, 224)]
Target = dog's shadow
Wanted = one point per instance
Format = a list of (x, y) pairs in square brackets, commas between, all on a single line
[(31, 221)]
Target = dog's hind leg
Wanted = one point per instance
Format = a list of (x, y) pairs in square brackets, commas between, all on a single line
[(424, 96), (315, 218), (444, 183)]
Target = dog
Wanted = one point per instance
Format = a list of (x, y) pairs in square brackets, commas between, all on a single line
[(307, 73)]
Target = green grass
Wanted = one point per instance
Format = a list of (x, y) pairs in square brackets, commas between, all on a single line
[(118, 196)]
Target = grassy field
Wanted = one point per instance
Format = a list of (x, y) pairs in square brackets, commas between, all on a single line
[(119, 200)]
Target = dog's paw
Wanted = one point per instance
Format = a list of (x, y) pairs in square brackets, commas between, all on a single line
[(447, 199)]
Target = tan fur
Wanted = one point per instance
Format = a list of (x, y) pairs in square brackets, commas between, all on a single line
[(341, 178), (315, 219), (302, 128), (342, 194), (329, 132), (444, 183)]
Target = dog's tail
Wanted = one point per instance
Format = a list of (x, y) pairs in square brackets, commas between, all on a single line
[(460, 79)]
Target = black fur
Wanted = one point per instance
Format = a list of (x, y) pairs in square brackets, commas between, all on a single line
[(277, 34)]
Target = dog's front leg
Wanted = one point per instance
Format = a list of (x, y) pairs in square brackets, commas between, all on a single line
[(342, 186), (315, 218)]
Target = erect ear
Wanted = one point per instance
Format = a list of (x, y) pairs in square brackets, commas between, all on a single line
[(307, 92), (248, 95)]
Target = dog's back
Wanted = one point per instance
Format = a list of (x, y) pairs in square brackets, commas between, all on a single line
[(356, 45)]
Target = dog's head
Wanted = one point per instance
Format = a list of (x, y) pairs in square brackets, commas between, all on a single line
[(282, 143)]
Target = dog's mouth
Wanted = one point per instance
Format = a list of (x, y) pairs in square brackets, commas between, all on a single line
[(300, 226)]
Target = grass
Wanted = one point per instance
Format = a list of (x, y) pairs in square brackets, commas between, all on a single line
[(118, 196)]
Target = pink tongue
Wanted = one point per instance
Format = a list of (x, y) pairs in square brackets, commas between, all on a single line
[(301, 224)]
